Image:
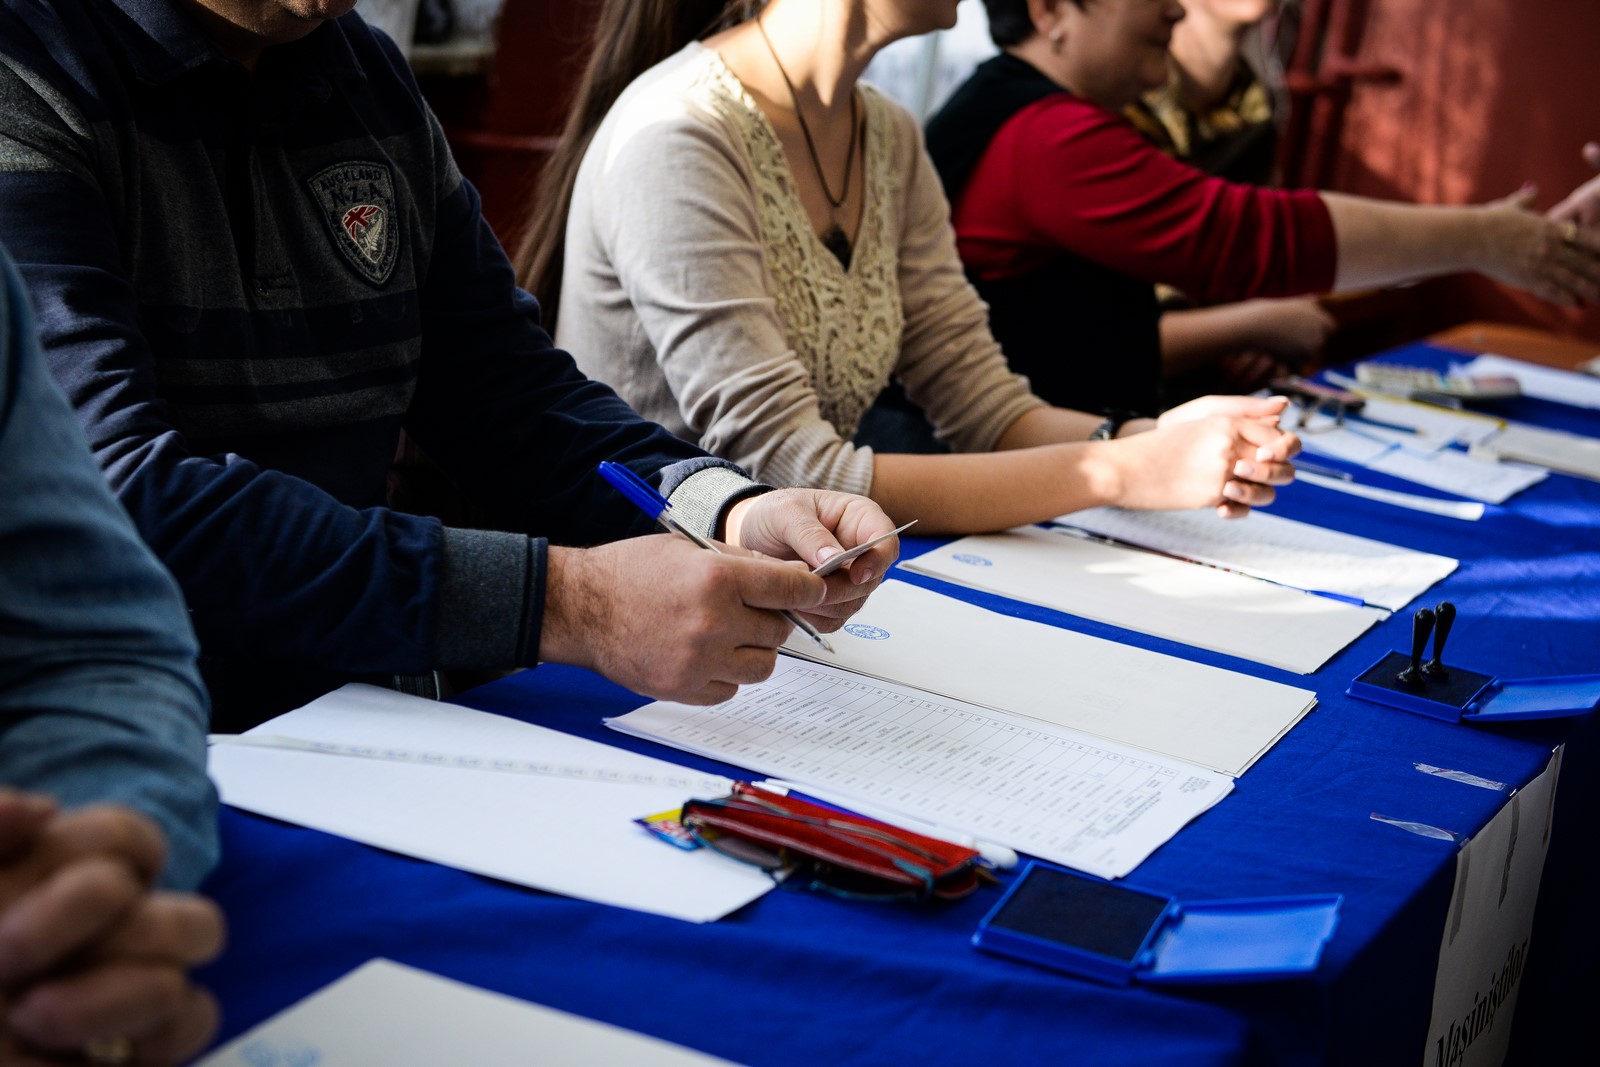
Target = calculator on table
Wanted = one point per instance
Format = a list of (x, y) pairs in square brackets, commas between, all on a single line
[(1425, 383)]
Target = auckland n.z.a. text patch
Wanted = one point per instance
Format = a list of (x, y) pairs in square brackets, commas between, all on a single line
[(357, 201)]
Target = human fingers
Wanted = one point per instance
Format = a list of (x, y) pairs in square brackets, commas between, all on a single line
[(1263, 441), (1266, 409), (763, 583), (181, 928), (21, 816), (1248, 493), (109, 829), (185, 1034), (785, 525), (65, 913), (816, 525), (147, 1004), (830, 615), (1262, 472)]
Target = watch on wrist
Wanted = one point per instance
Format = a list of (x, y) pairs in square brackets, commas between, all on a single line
[(1107, 430)]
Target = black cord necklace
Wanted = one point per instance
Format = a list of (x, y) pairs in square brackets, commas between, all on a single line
[(834, 240)]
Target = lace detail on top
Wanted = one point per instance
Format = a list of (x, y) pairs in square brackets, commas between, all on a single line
[(844, 325)]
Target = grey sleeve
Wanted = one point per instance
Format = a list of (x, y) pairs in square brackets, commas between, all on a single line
[(100, 699)]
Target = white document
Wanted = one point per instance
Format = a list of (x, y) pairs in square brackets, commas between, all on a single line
[(1456, 472), (1280, 550), (1415, 458), (1545, 383), (1569, 453), (387, 1013), (1466, 510), (1199, 606), (1189, 711), (1056, 793), (1485, 944), (565, 835)]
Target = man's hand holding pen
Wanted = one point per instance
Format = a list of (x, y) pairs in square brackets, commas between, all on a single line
[(667, 619)]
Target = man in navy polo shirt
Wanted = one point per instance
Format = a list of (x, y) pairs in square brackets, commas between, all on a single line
[(254, 263)]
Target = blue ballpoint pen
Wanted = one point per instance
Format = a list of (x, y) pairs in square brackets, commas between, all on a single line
[(644, 496)]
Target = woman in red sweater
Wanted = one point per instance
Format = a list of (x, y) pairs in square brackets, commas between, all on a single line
[(1065, 215)]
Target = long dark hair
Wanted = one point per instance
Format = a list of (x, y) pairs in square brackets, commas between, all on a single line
[(631, 36)]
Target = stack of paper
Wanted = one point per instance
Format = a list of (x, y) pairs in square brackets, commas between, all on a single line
[(1189, 711), (1568, 453), (387, 1013), (1545, 383), (1280, 550), (1055, 793), (571, 834), (1153, 594), (1414, 457)]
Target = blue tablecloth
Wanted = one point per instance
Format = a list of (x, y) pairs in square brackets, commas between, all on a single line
[(798, 979)]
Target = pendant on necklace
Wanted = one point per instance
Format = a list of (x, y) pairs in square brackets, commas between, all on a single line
[(836, 242)]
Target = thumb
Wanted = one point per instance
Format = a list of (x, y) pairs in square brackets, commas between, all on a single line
[(1591, 154), (1522, 198), (811, 541)]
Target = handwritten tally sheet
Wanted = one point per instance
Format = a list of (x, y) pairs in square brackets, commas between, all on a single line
[(1217, 718), (1200, 606), (1056, 793)]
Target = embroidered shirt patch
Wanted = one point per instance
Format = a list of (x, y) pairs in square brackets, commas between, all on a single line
[(358, 203)]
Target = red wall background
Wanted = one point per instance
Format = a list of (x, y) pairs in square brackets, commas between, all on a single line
[(1492, 93)]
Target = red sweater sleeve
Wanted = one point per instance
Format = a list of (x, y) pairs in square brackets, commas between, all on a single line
[(1066, 174)]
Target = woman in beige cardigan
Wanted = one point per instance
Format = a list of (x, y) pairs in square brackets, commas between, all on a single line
[(754, 243)]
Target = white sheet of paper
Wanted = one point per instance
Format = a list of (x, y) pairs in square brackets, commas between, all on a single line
[(1141, 591), (1467, 510), (1189, 711), (387, 1013), (1569, 453), (1056, 793), (563, 835), (1277, 549), (1545, 383), (1456, 472)]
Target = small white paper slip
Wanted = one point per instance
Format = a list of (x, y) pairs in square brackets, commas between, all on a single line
[(833, 563), (387, 1013), (1280, 550), (1128, 587), (571, 835), (1173, 707)]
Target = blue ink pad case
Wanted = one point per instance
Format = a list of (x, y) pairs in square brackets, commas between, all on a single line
[(1121, 934)]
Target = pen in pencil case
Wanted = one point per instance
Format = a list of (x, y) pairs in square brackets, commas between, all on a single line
[(646, 499)]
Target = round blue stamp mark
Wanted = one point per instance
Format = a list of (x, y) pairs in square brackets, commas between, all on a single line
[(865, 632), (971, 560)]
